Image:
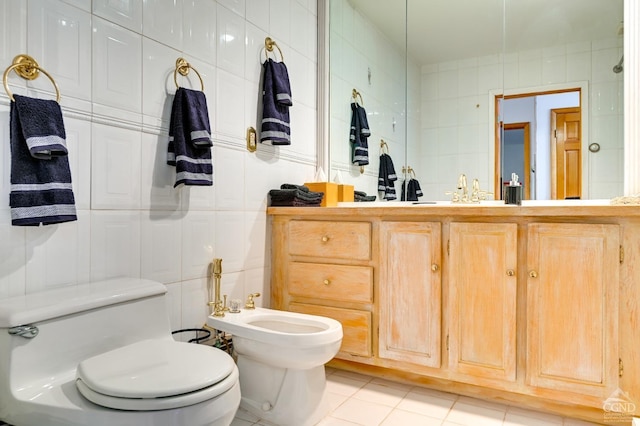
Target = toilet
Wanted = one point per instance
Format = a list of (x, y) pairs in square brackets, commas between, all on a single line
[(281, 357), (102, 354)]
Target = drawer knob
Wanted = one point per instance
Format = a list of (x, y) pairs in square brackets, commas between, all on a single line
[(510, 272), (325, 238), (327, 281), (435, 267), (533, 274)]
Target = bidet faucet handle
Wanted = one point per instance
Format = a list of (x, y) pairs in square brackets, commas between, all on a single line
[(250, 303)]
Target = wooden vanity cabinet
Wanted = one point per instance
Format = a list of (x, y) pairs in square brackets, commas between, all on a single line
[(483, 260)]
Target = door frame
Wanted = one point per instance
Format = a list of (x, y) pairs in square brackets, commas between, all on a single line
[(526, 127), (495, 116)]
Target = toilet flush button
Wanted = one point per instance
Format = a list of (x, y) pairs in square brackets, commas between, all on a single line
[(266, 406)]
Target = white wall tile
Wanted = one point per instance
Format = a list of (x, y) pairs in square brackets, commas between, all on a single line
[(158, 84), (60, 39), (79, 147), (231, 34), (259, 281), (298, 23), (254, 53), (81, 4), (13, 255), (258, 13), (58, 255), (229, 178), (232, 284), (230, 239), (13, 34), (199, 29), (5, 160), (237, 6), (195, 296), (162, 21), (115, 168), (229, 109), (174, 306), (117, 66), (258, 246), (127, 13), (161, 246), (198, 230), (157, 177), (115, 244)]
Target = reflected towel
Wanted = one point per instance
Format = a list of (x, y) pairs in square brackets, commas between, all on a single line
[(386, 178), (358, 135), (41, 190), (190, 143)]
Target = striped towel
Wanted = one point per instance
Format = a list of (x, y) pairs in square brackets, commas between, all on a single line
[(41, 191), (358, 135), (190, 143), (276, 100)]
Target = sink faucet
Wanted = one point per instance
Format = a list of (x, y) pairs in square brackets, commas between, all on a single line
[(461, 194), (462, 185)]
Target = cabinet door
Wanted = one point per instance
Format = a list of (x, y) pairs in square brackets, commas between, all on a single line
[(410, 292), (482, 299), (572, 308)]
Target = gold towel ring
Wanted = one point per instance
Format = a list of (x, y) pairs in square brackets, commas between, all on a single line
[(383, 145), (355, 94), (182, 67), (27, 68), (268, 47)]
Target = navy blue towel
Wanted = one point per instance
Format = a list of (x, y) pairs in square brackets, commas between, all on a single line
[(411, 191), (276, 100), (386, 178), (190, 139), (41, 191), (359, 134)]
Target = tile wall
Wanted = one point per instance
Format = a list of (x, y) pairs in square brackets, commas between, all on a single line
[(114, 63)]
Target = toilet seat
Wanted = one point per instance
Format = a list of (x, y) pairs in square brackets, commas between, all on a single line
[(156, 375)]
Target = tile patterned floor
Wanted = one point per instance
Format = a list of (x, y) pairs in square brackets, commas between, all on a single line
[(358, 400)]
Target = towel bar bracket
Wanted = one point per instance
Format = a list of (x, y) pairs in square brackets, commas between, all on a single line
[(183, 67), (27, 67)]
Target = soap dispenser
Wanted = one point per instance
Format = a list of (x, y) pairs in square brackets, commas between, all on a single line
[(513, 192)]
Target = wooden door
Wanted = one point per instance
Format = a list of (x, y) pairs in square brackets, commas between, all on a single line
[(572, 308), (566, 153), (410, 292), (482, 301)]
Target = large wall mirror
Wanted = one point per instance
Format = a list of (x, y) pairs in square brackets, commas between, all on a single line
[(485, 88)]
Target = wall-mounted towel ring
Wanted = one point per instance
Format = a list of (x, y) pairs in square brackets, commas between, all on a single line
[(355, 94), (383, 145), (268, 47), (408, 171), (27, 68), (182, 67)]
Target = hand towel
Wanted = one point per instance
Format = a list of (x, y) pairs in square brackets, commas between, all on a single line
[(411, 190), (276, 100), (190, 143), (295, 195), (358, 135), (41, 190), (386, 177)]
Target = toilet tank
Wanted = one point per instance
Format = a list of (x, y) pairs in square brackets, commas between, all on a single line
[(75, 323)]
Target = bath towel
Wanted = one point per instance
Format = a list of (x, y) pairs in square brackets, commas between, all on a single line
[(411, 190), (190, 143), (386, 178), (276, 100), (41, 190), (359, 134), (295, 195)]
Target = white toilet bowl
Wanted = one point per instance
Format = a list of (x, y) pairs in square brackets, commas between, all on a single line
[(281, 357), (102, 354)]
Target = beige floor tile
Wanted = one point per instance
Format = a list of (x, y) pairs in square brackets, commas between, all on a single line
[(521, 417), (352, 375), (576, 422), (240, 422), (343, 385), (473, 414), (335, 400), (332, 421), (431, 404), (362, 412), (407, 418), (380, 394)]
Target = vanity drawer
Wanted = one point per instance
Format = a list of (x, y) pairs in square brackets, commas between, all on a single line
[(338, 240), (356, 326), (333, 282)]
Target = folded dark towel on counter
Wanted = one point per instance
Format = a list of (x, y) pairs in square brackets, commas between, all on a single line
[(295, 195), (190, 143), (41, 190), (362, 196), (275, 128)]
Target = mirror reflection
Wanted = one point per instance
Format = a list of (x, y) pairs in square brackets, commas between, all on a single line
[(442, 81)]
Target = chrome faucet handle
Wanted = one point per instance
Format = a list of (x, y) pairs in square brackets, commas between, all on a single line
[(250, 303)]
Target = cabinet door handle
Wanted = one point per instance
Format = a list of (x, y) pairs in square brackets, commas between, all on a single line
[(533, 274), (435, 267), (510, 272), (325, 238), (326, 281)]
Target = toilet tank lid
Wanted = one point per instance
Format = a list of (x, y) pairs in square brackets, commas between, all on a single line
[(46, 305)]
